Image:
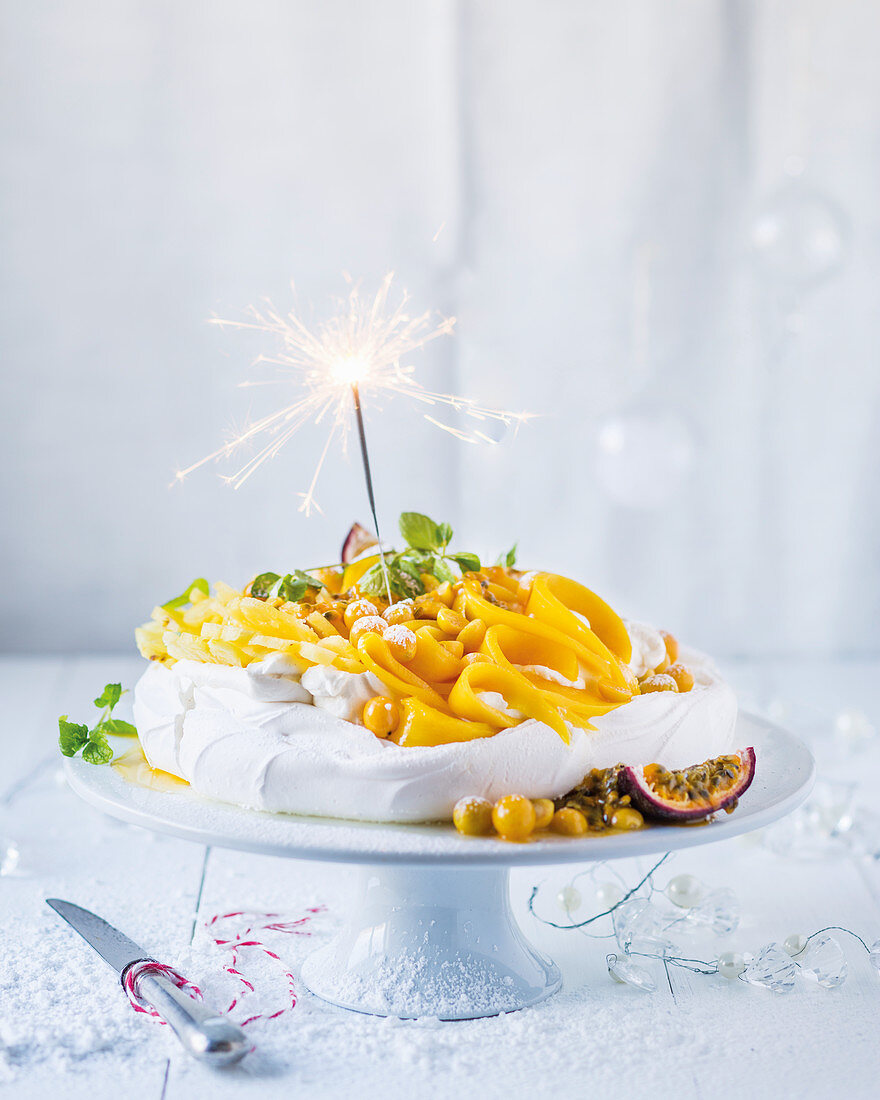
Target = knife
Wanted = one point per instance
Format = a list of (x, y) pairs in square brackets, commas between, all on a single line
[(204, 1033)]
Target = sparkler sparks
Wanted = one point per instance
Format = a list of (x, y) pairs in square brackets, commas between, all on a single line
[(337, 365)]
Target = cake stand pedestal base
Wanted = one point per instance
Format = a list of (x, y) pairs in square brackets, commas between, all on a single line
[(431, 941)]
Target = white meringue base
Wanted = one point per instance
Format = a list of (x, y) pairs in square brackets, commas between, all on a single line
[(255, 738)]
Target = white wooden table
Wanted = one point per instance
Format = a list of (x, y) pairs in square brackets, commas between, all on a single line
[(66, 1031)]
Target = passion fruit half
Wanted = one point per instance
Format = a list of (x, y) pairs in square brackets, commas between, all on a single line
[(356, 542), (691, 794)]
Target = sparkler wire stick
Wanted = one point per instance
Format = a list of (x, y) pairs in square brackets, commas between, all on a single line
[(368, 477)]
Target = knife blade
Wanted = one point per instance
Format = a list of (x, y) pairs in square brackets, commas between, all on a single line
[(203, 1032)]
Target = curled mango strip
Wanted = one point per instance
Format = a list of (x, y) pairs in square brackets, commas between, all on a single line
[(513, 687), (509, 646), (432, 661), (498, 575), (575, 700), (353, 572), (478, 608), (374, 652), (423, 725), (551, 592)]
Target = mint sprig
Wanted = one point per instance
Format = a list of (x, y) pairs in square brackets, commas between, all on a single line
[(508, 559), (427, 551), (96, 749), (292, 586)]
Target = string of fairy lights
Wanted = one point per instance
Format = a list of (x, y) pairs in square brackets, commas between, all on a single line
[(647, 923)]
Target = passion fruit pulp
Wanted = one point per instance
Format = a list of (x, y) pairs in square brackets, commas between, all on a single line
[(691, 794)]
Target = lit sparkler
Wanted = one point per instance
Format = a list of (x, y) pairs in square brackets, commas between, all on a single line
[(356, 354)]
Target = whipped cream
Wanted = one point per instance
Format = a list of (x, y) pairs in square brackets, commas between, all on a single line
[(269, 738), (342, 694), (648, 647)]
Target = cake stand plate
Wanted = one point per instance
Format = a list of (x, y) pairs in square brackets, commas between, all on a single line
[(432, 932)]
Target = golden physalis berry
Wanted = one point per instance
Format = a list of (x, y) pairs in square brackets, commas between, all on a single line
[(471, 637), (543, 812), (401, 641), (473, 816), (660, 681), (381, 715), (514, 817), (357, 610), (683, 676), (369, 624), (450, 622), (403, 611), (445, 593), (627, 818), (569, 822)]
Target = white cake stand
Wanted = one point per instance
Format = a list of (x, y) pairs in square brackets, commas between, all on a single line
[(433, 933)]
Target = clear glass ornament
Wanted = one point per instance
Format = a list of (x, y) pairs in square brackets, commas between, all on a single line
[(772, 969), (627, 972), (824, 962), (718, 910), (639, 926), (874, 955), (684, 890), (569, 899)]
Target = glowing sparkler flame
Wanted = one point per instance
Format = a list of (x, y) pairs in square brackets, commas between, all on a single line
[(361, 347)]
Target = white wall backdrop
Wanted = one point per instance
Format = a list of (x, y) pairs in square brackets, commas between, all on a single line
[(660, 231)]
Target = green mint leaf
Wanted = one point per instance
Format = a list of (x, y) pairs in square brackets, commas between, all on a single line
[(179, 601), (406, 584), (262, 585), (508, 559), (110, 696), (71, 736), (418, 561), (295, 585), (307, 579), (467, 563), (117, 727), (292, 586), (372, 583), (443, 572), (412, 569), (403, 578), (445, 532), (97, 750), (420, 532)]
